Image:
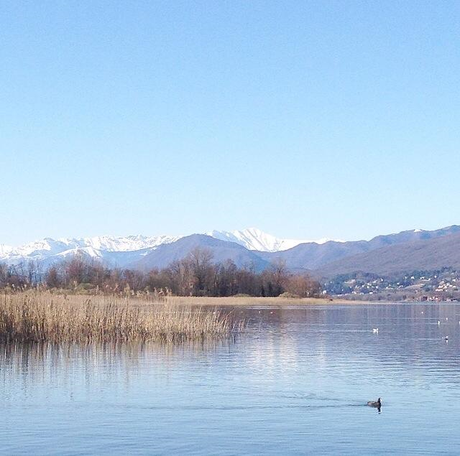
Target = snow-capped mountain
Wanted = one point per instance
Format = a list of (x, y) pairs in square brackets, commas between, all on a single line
[(106, 248), (250, 246), (121, 251), (255, 239)]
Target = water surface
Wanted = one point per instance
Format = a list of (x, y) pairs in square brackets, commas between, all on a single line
[(296, 383)]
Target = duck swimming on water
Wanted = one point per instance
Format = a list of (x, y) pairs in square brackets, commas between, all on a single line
[(376, 404)]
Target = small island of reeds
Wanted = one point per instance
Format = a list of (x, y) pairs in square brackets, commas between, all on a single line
[(46, 317)]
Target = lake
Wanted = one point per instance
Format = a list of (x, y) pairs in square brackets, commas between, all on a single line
[(296, 382)]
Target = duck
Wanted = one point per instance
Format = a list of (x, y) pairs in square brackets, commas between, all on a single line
[(376, 404)]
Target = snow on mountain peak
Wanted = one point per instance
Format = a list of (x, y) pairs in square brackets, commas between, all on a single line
[(123, 250), (120, 244), (102, 247), (256, 239)]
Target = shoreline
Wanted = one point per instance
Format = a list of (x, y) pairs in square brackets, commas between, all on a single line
[(247, 301), (243, 301)]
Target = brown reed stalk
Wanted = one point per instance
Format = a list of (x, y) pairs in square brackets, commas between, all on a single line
[(43, 317)]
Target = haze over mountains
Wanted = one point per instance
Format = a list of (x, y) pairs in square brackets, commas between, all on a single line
[(386, 254)]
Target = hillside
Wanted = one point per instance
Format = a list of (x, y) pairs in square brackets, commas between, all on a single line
[(429, 254), (313, 256), (165, 254)]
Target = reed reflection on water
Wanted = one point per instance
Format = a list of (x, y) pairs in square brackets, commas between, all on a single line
[(296, 382)]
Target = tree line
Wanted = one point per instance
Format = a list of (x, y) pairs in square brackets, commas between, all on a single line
[(194, 275)]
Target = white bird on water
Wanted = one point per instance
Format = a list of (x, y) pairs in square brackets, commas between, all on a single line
[(439, 322), (375, 330)]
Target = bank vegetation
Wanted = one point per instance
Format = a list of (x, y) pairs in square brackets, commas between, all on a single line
[(195, 275), (55, 318)]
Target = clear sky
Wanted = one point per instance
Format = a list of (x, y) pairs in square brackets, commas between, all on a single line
[(307, 119)]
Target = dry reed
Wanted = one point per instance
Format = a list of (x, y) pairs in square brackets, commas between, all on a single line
[(43, 317)]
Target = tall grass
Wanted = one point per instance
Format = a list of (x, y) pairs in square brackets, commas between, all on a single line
[(43, 317)]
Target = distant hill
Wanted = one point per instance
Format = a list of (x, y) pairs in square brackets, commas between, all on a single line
[(303, 257), (424, 255), (165, 254), (313, 256)]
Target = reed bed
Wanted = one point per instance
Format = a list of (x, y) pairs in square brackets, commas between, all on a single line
[(43, 317)]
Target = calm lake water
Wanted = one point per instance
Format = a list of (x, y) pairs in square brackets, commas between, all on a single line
[(296, 383)]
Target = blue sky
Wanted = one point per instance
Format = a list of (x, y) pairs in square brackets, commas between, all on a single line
[(307, 119)]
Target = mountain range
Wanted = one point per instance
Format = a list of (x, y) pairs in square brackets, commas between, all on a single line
[(385, 254), (122, 251)]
